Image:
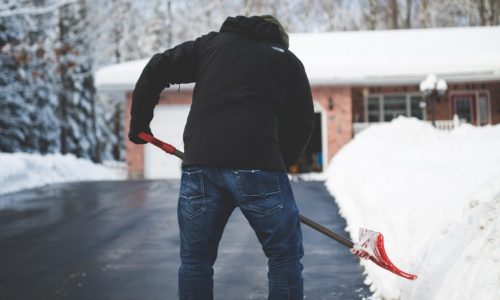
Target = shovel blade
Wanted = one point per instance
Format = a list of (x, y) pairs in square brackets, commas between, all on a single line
[(371, 246)]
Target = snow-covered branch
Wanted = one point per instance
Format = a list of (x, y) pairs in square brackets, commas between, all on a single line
[(35, 10)]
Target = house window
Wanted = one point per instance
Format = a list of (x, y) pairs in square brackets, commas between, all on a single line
[(463, 107), (472, 106), (483, 109), (394, 106), (415, 109), (374, 109), (384, 108)]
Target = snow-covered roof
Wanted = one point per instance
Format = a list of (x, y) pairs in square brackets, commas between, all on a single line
[(386, 57), (122, 76)]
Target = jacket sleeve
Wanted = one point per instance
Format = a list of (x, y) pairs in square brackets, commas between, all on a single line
[(176, 65), (296, 121)]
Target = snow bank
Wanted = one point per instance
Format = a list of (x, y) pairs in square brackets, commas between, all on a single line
[(435, 195), (23, 170)]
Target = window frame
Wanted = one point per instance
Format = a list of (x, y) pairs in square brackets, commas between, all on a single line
[(475, 103), (381, 99)]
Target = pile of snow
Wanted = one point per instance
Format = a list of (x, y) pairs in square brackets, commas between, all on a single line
[(435, 195), (24, 170)]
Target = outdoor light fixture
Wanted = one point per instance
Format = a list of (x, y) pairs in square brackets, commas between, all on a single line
[(428, 84), (431, 84), (433, 89), (330, 103), (441, 86)]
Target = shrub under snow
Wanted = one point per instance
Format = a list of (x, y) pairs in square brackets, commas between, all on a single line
[(24, 170)]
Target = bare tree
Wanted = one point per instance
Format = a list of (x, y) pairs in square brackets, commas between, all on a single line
[(495, 8), (370, 16), (287, 14), (118, 9), (488, 12), (168, 23), (247, 6), (409, 7), (393, 10), (482, 12), (424, 14), (259, 7), (329, 7)]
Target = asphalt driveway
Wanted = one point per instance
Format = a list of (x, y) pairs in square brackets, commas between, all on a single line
[(119, 240)]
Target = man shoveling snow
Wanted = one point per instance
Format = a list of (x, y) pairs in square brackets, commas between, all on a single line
[(251, 117)]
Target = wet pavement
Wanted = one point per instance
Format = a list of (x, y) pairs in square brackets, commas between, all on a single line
[(119, 241)]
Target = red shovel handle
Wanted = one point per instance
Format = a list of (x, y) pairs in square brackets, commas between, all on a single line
[(160, 144)]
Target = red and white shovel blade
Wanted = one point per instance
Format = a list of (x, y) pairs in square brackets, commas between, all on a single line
[(371, 246)]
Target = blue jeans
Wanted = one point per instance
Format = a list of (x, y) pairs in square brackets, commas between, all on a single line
[(207, 198)]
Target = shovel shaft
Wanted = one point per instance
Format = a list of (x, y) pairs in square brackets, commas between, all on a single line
[(344, 241), (179, 154)]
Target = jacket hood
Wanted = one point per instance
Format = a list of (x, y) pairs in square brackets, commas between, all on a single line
[(255, 27)]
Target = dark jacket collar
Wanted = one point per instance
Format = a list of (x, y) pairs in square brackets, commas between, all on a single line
[(255, 27)]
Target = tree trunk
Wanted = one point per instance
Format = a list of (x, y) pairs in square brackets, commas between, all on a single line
[(329, 9), (248, 7), (371, 16), (117, 31), (424, 13), (117, 128), (394, 13), (408, 13), (63, 93), (482, 12), (495, 11), (169, 24)]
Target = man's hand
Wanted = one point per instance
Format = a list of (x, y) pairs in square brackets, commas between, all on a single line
[(132, 134)]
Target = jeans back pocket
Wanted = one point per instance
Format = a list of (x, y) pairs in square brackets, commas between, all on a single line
[(260, 190), (192, 194)]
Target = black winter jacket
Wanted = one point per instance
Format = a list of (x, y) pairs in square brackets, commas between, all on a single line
[(252, 105)]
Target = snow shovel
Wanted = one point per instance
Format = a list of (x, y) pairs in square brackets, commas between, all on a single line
[(370, 245)]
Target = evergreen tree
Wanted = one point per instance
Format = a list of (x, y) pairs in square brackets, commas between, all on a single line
[(77, 107), (27, 119), (45, 127), (14, 120)]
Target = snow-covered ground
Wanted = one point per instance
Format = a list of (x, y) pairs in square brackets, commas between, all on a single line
[(24, 170), (435, 195)]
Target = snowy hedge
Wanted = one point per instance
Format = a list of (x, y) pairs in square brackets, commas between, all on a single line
[(23, 170), (435, 195)]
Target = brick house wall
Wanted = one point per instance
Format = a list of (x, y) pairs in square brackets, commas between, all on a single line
[(494, 89), (134, 154), (336, 101)]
